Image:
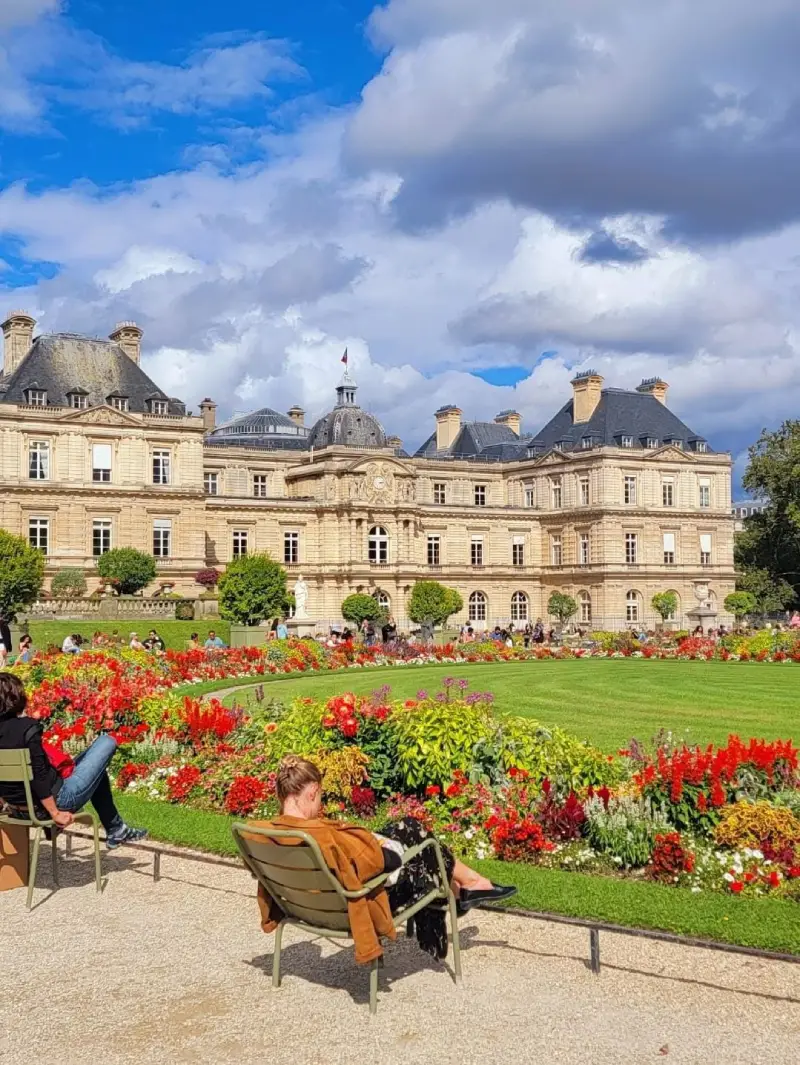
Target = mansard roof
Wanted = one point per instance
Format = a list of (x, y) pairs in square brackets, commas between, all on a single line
[(473, 440)]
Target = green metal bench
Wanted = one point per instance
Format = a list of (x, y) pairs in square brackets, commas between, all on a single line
[(311, 897), (15, 767)]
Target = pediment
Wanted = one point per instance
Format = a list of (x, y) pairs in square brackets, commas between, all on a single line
[(388, 463), (667, 451), (102, 415), (552, 458)]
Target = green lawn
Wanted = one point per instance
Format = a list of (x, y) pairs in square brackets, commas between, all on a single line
[(770, 924), (606, 701), (173, 633)]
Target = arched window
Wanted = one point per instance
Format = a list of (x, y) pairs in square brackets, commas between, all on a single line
[(585, 608), (382, 599), (519, 606), (632, 607), (477, 607), (378, 544)]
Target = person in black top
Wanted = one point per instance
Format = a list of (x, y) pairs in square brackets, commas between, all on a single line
[(55, 797), (5, 635), (154, 642)]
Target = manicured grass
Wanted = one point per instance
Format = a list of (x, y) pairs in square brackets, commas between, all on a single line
[(768, 924), (175, 634), (606, 701)]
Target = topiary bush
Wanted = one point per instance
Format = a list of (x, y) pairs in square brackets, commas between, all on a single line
[(68, 583), (359, 607), (251, 589), (129, 570)]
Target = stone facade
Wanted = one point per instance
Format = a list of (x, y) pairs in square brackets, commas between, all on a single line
[(605, 522)]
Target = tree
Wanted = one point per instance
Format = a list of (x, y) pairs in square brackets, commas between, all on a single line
[(69, 583), (770, 540), (665, 604), (129, 570), (561, 606), (740, 604), (252, 588), (432, 603), (359, 607), (21, 574)]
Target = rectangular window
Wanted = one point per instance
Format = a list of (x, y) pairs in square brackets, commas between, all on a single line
[(37, 397), (583, 486), (701, 446), (668, 492), (101, 536), (260, 485), (162, 538), (239, 543), (439, 493), (518, 551), (480, 495), (704, 492), (555, 494), (119, 402), (101, 463), (627, 441), (78, 402), (291, 548), (211, 484), (629, 490), (39, 534), (159, 406), (705, 549), (556, 550), (669, 549), (476, 551), (39, 460), (586, 442), (434, 551), (530, 495), (631, 548), (161, 467), (652, 442), (584, 550)]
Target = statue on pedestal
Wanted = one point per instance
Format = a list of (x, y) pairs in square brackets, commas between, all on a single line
[(300, 597)]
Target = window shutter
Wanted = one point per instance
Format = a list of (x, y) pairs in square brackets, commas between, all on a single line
[(669, 541), (705, 543), (101, 456)]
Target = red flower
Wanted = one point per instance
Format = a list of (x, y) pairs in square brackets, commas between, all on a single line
[(244, 795), (793, 871), (433, 789), (736, 887), (774, 878), (182, 783), (702, 803)]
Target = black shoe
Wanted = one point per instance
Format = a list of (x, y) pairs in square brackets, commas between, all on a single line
[(496, 893), (126, 835)]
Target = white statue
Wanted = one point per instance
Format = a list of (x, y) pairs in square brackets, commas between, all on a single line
[(300, 597)]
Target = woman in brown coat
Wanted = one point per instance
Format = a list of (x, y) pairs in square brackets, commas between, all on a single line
[(356, 855)]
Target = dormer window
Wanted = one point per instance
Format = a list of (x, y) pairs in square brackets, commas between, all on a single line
[(118, 402), (626, 441), (651, 442), (675, 442), (159, 406), (36, 397), (78, 399), (558, 445), (701, 446), (586, 442)]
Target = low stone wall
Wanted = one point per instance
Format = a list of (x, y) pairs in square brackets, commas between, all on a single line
[(111, 608)]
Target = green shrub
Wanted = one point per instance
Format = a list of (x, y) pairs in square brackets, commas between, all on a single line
[(184, 610), (21, 574), (69, 583), (435, 738), (569, 763), (251, 589), (296, 729), (358, 608), (433, 603), (127, 569)]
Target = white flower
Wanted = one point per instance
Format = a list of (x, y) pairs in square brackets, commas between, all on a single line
[(469, 833), (696, 889), (729, 877)]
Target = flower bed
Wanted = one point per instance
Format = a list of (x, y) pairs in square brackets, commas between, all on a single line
[(717, 818)]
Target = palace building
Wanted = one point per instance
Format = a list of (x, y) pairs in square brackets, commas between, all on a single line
[(614, 499)]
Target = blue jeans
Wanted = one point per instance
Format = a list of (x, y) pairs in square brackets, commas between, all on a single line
[(89, 783)]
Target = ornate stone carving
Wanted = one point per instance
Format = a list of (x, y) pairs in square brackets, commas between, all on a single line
[(100, 416), (380, 482)]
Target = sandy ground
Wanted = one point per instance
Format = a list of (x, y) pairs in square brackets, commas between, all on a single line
[(179, 972)]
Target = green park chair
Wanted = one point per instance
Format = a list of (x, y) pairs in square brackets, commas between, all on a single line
[(311, 897), (15, 767)]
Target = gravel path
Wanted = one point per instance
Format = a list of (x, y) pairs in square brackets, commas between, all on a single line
[(178, 972)]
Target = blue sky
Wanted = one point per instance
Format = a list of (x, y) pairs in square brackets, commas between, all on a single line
[(476, 199)]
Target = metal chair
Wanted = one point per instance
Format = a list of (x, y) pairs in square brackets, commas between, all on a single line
[(298, 879), (15, 767)]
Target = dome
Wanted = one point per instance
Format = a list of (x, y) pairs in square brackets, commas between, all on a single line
[(347, 425), (265, 428)]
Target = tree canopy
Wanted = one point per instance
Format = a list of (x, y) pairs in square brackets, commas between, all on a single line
[(251, 589), (740, 604), (128, 570), (665, 604), (360, 607), (433, 603), (561, 606), (21, 574)]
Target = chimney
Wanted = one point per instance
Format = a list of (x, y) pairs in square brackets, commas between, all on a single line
[(129, 337), (297, 414), (586, 389), (394, 442), (17, 339), (448, 426), (654, 386), (208, 412), (510, 418)]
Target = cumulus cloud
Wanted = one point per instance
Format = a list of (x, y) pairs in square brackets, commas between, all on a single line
[(588, 108)]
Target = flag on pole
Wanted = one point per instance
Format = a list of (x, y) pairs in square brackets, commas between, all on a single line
[(344, 357)]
